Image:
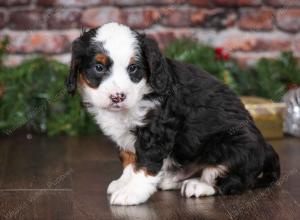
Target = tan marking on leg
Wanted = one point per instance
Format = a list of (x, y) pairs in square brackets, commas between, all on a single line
[(127, 158)]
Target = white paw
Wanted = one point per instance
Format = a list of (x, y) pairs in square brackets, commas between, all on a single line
[(136, 191), (194, 187), (115, 185), (129, 196), (122, 181)]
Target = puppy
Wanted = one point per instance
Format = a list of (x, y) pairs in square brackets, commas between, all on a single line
[(177, 127)]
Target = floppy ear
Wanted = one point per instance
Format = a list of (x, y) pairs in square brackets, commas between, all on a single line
[(159, 73), (71, 80)]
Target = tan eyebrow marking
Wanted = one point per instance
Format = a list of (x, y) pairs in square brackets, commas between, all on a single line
[(102, 58)]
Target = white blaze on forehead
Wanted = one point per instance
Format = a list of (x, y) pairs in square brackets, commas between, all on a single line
[(119, 41)]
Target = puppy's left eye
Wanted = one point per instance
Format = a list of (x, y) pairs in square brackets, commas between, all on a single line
[(132, 68), (99, 67)]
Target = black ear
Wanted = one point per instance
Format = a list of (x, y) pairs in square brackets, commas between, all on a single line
[(71, 80), (158, 68)]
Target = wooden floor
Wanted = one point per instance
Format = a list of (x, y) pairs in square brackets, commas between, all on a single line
[(66, 178)]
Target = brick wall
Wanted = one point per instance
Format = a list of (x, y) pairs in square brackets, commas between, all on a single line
[(249, 29)]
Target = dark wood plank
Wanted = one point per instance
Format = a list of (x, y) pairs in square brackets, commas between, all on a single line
[(91, 148), (35, 163), (4, 148), (270, 203), (289, 153), (90, 181), (36, 205)]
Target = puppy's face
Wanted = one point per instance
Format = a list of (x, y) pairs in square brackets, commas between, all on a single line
[(111, 72), (114, 67)]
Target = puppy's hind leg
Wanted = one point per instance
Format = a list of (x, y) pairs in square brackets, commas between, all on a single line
[(169, 174), (168, 182), (230, 185), (205, 185)]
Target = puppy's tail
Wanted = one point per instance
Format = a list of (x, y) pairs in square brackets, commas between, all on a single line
[(271, 169)]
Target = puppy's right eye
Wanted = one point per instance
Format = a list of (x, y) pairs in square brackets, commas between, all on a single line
[(99, 67)]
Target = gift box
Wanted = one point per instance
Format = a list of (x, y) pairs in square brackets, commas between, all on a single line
[(292, 115), (268, 115)]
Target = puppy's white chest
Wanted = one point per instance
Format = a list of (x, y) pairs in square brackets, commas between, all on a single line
[(120, 125)]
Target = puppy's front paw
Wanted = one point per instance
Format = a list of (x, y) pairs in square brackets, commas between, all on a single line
[(196, 188), (122, 181), (136, 191), (115, 185), (129, 195)]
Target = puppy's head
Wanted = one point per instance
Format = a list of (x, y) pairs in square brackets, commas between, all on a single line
[(114, 67)]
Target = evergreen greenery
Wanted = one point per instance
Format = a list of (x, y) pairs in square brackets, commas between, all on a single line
[(35, 98), (268, 78), (207, 59)]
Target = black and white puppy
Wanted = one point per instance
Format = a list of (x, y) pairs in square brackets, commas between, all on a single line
[(177, 127)]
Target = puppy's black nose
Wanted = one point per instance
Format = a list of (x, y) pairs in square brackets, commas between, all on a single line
[(118, 97)]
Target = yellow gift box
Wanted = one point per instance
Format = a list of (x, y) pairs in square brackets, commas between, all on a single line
[(268, 115)]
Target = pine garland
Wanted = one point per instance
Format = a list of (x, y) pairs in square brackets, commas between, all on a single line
[(268, 78)]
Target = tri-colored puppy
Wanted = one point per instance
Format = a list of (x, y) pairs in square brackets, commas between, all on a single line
[(177, 127)]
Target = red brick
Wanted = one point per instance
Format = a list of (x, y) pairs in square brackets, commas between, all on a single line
[(2, 19), (63, 19), (14, 2), (40, 42), (209, 18), (26, 19), (164, 37), (46, 2), (140, 18), (72, 2), (201, 3), (297, 44), (231, 3), (94, 17), (14, 59), (214, 18), (278, 3), (288, 19), (145, 2), (240, 41), (255, 19), (198, 17), (173, 17)]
